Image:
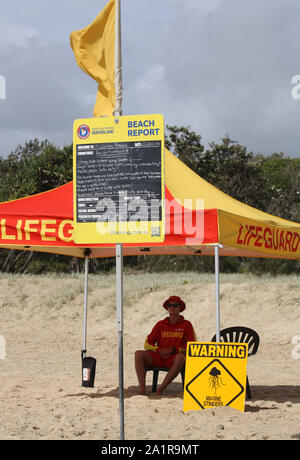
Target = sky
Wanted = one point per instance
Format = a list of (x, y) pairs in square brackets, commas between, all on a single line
[(222, 67)]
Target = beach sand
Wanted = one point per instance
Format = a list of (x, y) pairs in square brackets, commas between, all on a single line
[(41, 396)]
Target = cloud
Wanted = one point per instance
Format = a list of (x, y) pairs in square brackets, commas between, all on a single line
[(221, 66), (151, 79), (43, 97), (227, 69), (17, 36)]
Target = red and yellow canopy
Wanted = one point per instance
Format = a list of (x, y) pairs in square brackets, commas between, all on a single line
[(198, 216)]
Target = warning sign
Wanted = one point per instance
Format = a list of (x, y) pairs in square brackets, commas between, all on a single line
[(215, 375)]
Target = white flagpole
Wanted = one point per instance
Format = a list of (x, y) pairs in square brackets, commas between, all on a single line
[(119, 247), (118, 61)]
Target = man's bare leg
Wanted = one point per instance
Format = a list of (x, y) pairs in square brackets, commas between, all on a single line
[(173, 372), (142, 360)]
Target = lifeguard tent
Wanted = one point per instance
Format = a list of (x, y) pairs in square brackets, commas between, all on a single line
[(199, 218)]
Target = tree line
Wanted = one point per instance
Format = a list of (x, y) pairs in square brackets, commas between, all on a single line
[(269, 183)]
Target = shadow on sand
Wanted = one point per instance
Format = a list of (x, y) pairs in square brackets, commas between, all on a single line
[(173, 391), (273, 393)]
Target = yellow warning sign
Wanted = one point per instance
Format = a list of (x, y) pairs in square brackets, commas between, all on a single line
[(215, 375)]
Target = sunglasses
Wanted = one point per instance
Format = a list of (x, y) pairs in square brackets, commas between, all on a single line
[(173, 305)]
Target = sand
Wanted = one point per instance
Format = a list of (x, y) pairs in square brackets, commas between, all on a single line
[(41, 396)]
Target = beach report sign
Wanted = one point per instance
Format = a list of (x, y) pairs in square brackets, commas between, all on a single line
[(118, 168), (215, 375)]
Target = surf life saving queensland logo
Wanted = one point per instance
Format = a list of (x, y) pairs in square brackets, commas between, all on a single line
[(83, 132)]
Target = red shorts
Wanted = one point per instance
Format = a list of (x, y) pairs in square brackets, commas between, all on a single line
[(159, 361)]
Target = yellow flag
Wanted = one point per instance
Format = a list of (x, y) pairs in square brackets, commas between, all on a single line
[(94, 50)]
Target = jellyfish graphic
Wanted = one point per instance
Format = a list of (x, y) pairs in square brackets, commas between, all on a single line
[(215, 380)]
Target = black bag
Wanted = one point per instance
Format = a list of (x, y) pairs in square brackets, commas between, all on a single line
[(88, 371)]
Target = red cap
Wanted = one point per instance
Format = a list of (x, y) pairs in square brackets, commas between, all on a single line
[(174, 299)]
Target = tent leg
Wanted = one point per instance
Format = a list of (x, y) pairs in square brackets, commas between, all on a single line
[(86, 272), (119, 292), (217, 284)]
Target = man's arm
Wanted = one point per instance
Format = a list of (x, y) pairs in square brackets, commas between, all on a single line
[(190, 337), (151, 340)]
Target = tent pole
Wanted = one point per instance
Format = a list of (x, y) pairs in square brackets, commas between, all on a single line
[(119, 291), (217, 285), (86, 272)]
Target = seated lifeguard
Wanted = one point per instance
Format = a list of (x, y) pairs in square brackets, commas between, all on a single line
[(166, 345)]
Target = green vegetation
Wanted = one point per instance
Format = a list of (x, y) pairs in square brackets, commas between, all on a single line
[(269, 183)]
